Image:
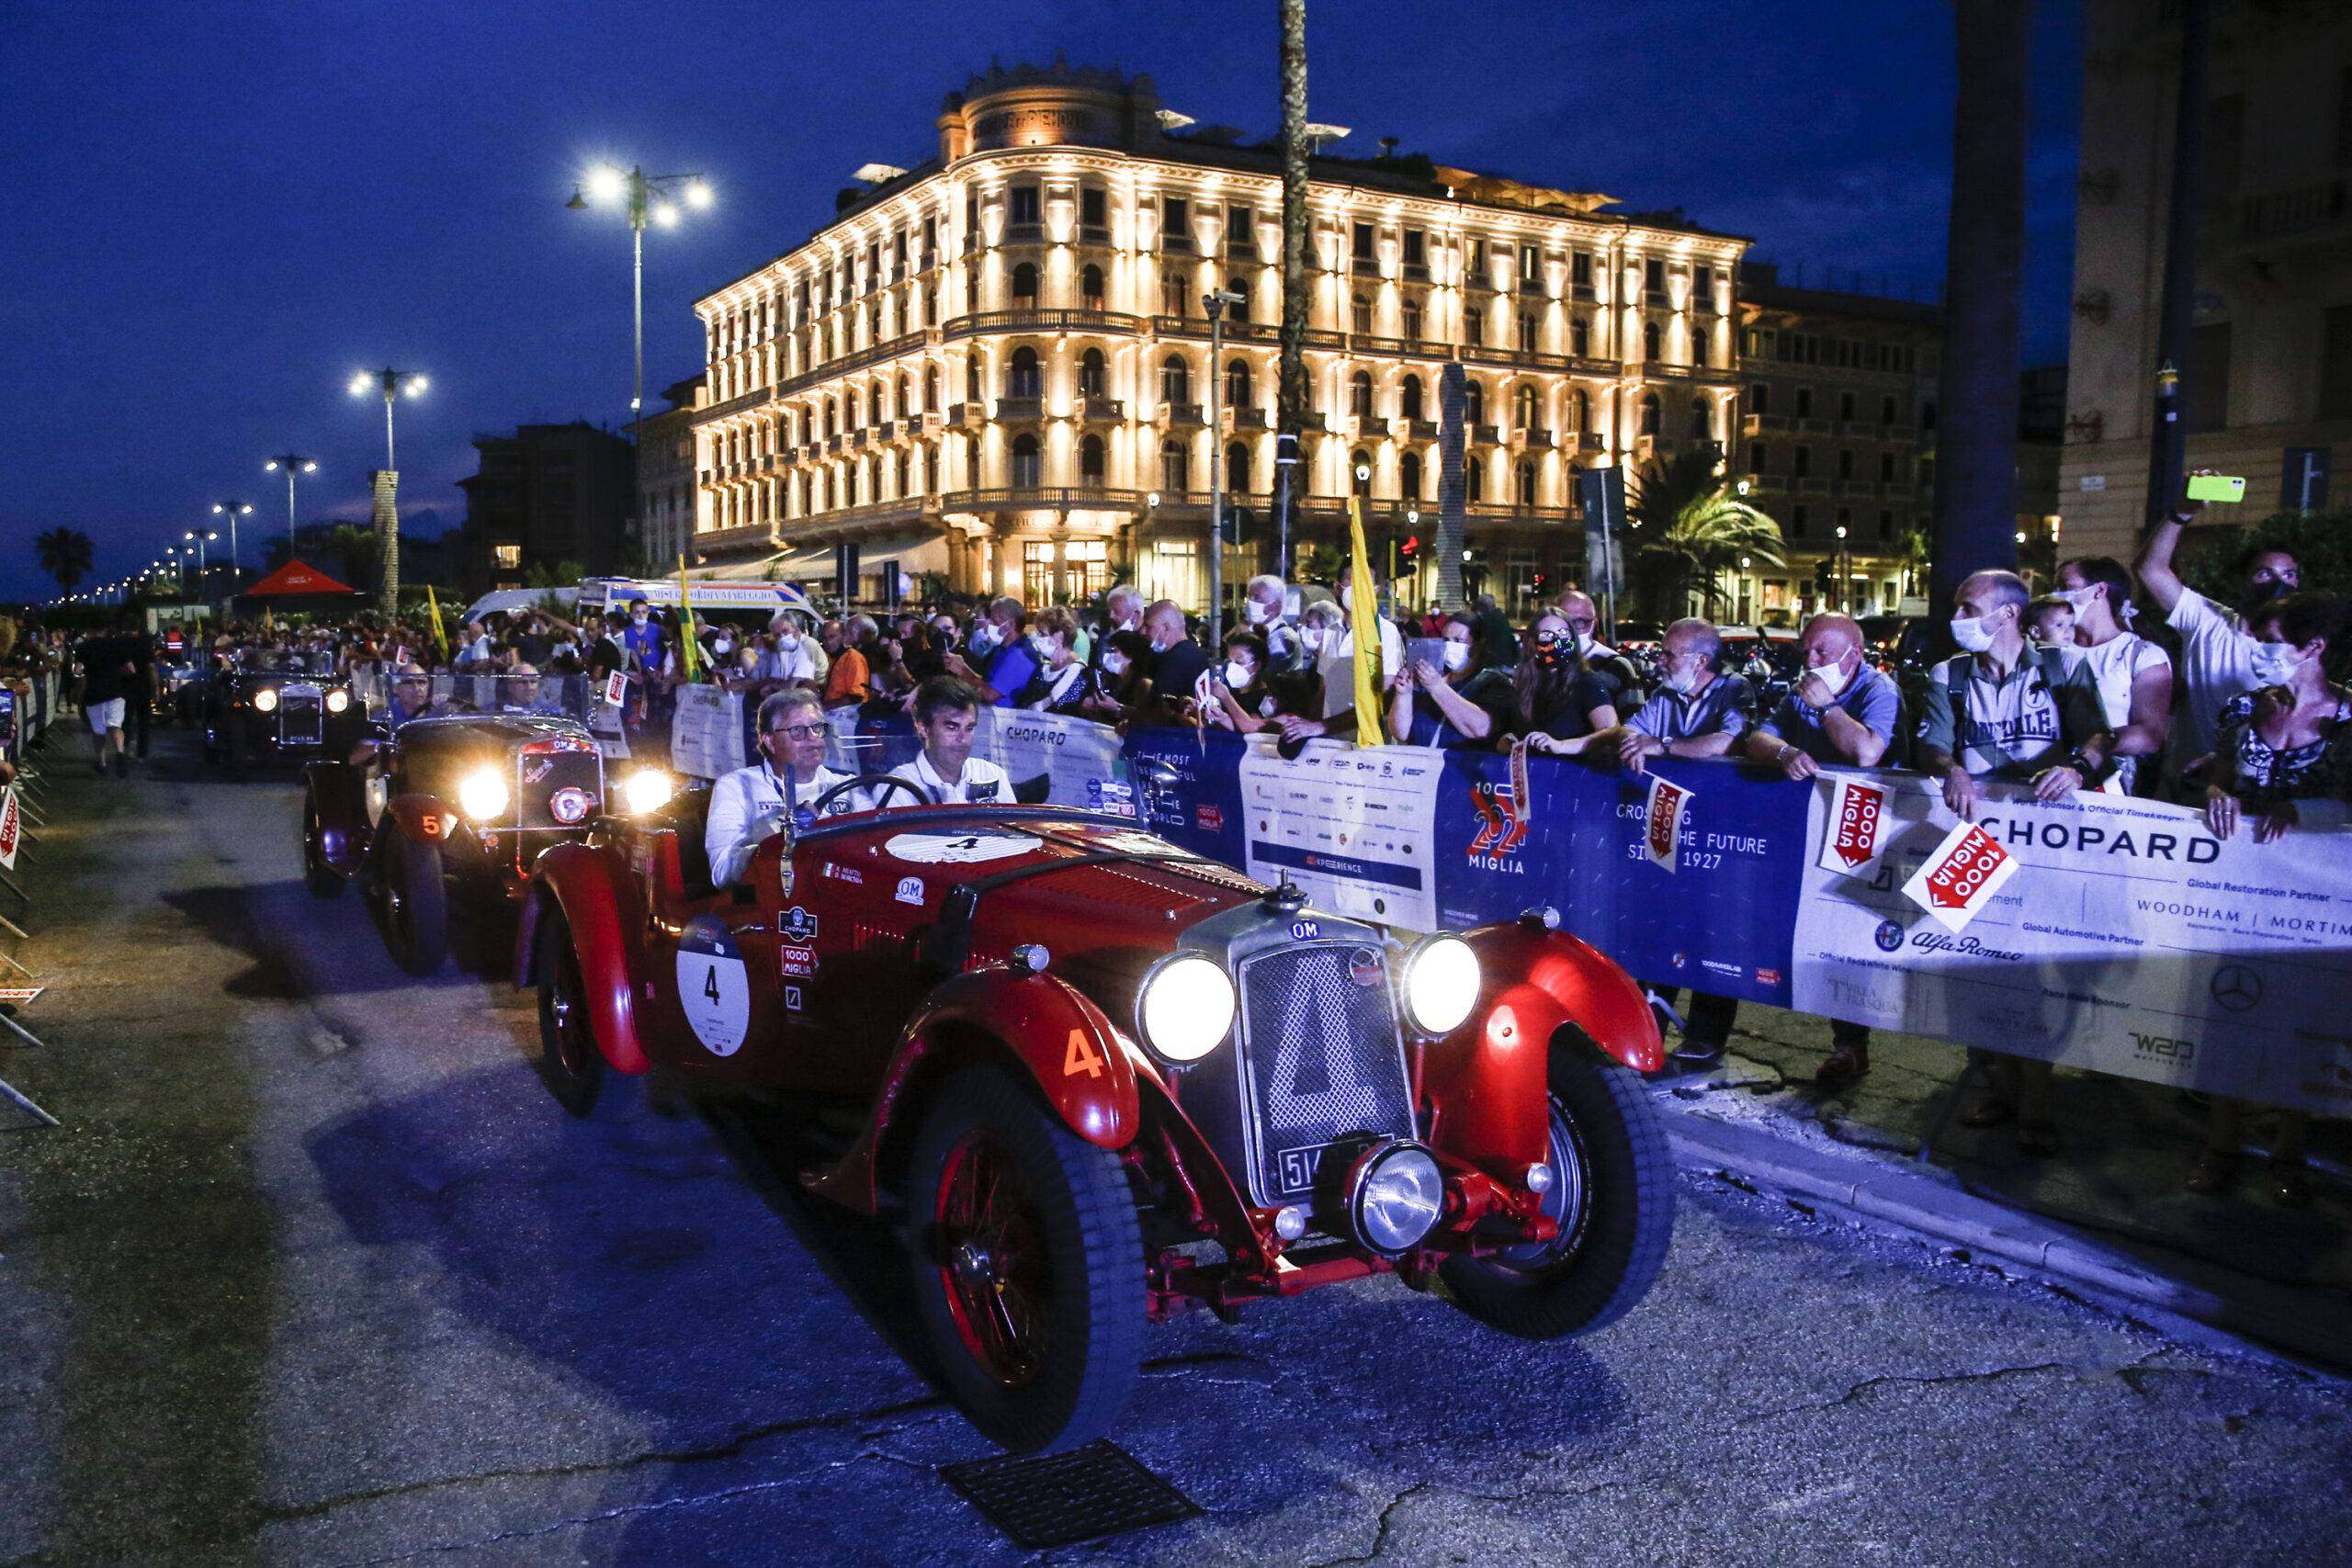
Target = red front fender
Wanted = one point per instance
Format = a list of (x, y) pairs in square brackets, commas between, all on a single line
[(1040, 1025), (1491, 1076), (601, 907), (422, 818)]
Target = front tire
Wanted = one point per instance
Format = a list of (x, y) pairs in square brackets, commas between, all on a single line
[(569, 1060), (317, 875), (1612, 1195), (1028, 1265), (416, 904)]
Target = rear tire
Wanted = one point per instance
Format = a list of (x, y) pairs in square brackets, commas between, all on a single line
[(317, 875), (1028, 1265), (416, 904), (569, 1061), (1612, 1193)]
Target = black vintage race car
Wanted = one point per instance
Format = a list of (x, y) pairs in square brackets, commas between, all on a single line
[(261, 717), (448, 812)]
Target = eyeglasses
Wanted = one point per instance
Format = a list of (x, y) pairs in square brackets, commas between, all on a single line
[(798, 731)]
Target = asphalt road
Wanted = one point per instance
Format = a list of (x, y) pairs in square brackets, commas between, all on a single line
[(317, 1273)]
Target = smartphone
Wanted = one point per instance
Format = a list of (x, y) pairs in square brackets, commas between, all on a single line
[(2216, 487)]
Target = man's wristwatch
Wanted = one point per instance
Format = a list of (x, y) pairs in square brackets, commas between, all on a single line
[(2082, 764)]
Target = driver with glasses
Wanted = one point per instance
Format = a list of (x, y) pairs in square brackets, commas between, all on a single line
[(749, 804)]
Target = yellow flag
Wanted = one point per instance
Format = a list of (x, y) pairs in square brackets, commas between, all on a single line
[(440, 632), (1364, 626), (689, 650)]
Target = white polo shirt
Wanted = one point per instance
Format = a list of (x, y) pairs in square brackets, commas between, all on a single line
[(2216, 664), (982, 782), (747, 806)]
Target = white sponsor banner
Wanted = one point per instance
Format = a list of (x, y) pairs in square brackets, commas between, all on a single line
[(1072, 753), (707, 732), (1351, 825), (2127, 941), (1961, 875)]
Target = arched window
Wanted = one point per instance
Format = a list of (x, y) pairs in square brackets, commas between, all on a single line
[(1649, 413), (1360, 393), (1473, 402), (1702, 420), (971, 444), (1412, 319), (1360, 314), (1236, 383), (1359, 473), (1236, 467), (1526, 482), (1023, 379), (1580, 409), (972, 377), (1649, 339), (874, 404), (1025, 285), (1093, 374), (1175, 380), (832, 415), (1699, 335), (1028, 468), (1408, 476), (1473, 480), (1090, 460), (906, 396), (931, 387), (829, 489), (930, 468), (1409, 398), (1523, 405), (1089, 288), (1175, 468), (903, 470)]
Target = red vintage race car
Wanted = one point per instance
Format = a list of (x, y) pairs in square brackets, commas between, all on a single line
[(1102, 1080)]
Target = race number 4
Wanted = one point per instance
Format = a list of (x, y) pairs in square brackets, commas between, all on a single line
[(1081, 1058), (1958, 880)]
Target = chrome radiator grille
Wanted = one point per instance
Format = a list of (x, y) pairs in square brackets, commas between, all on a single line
[(302, 716), (1321, 1061), (543, 773)]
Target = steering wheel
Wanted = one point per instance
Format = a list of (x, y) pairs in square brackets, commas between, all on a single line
[(884, 781)]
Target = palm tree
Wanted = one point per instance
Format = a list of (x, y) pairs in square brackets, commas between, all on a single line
[(65, 554), (1696, 526)]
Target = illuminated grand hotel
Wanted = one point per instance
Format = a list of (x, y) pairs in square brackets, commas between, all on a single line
[(996, 367)]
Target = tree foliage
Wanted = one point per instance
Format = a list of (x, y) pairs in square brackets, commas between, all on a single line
[(1691, 524), (66, 554)]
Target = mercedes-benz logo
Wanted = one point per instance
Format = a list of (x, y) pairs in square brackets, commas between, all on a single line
[(2236, 987)]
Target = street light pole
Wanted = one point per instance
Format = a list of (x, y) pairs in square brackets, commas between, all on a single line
[(645, 198), (203, 563), (293, 463), (1216, 303), (391, 383), (233, 510)]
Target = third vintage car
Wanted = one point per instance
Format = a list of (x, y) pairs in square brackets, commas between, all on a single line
[(1101, 1080), (446, 811), (264, 717)]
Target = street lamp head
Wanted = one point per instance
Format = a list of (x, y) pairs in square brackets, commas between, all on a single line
[(698, 195), (1841, 531), (189, 536), (607, 183), (414, 387), (218, 508), (1151, 499), (270, 466), (308, 466), (362, 384), (666, 215)]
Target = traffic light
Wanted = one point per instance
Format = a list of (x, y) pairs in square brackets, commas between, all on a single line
[(1411, 548)]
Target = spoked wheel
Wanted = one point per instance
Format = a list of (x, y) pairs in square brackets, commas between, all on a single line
[(1028, 1265), (317, 875), (1612, 1197), (415, 904), (569, 1060)]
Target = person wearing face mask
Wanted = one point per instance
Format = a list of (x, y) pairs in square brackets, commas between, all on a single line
[(2284, 746), (1178, 663), (2003, 709), (1006, 663), (1841, 713), (2133, 675), (785, 660), (1558, 702), (1335, 660), (647, 649), (1697, 712), (1065, 683), (1465, 706), (1126, 675), (2216, 654), (1264, 610), (1583, 618), (1236, 694)]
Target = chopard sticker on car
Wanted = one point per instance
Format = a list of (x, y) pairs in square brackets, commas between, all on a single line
[(910, 890), (797, 963), (713, 992), (797, 925), (569, 806), (959, 849)]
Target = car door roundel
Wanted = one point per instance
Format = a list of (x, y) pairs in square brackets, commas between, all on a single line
[(714, 988)]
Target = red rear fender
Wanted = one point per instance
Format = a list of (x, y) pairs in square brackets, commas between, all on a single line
[(1039, 1026), (1492, 1077), (601, 911)]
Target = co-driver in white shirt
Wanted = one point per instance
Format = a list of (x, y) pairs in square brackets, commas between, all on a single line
[(947, 715)]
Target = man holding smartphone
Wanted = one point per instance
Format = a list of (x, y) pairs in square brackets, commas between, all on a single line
[(2216, 655)]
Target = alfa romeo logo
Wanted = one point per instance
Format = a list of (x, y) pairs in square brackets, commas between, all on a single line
[(1889, 936), (2236, 987)]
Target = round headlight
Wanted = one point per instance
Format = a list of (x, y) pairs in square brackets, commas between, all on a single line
[(1186, 1009), (1440, 984), (483, 794), (648, 790), (264, 700), (1398, 1194), (338, 701)]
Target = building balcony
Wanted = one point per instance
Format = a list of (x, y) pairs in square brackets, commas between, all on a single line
[(2283, 215), (1485, 436), (1057, 498), (888, 430), (1181, 326), (1816, 426), (1759, 423), (1250, 418), (1534, 438), (1179, 414), (1591, 441), (1031, 318), (1808, 484), (961, 416), (1095, 409), (1022, 409), (1417, 429), (834, 443)]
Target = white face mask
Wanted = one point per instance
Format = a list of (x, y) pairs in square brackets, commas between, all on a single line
[(2275, 663), (1238, 674), (1457, 656), (1313, 637), (1679, 682), (1114, 663), (1160, 647), (1832, 675), (2076, 597), (721, 644), (1043, 646), (1584, 643), (1973, 633), (1256, 613)]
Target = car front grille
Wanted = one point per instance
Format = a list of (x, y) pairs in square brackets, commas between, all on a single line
[(544, 771), (302, 716), (1321, 1061)]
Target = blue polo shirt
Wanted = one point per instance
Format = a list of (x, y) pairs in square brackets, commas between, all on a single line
[(1870, 700), (1722, 708), (1010, 671)]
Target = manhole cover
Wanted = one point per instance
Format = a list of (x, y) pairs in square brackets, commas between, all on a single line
[(1060, 1499)]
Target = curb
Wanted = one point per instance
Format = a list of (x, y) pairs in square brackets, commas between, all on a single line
[(2223, 1311)]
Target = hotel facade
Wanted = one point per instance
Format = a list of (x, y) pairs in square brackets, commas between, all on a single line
[(997, 367)]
